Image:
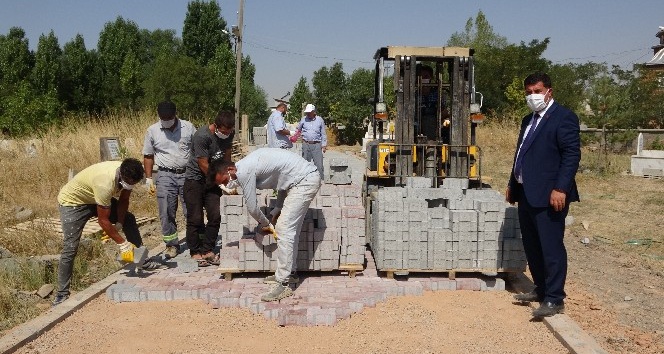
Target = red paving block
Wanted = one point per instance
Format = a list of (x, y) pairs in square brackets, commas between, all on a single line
[(468, 284), (319, 300), (293, 317)]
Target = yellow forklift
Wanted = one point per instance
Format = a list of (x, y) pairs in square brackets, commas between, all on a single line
[(435, 113)]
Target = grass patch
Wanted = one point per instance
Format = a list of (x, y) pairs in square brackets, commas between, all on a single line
[(32, 172)]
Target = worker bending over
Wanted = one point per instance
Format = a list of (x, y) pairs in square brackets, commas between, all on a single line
[(297, 182)]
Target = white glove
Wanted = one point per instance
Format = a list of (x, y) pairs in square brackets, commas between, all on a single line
[(149, 183)]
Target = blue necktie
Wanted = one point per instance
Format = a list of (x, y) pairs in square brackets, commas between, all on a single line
[(525, 145)]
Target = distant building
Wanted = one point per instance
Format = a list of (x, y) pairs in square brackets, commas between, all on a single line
[(657, 61)]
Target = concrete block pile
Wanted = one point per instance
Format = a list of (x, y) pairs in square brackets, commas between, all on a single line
[(339, 172), (333, 232), (446, 228)]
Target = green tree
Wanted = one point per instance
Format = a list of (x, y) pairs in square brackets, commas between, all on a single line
[(329, 85), (192, 87), (202, 31), (478, 34), (496, 68), (354, 109), (130, 80), (223, 67), (16, 60), (81, 77), (24, 112), (605, 100), (301, 95), (46, 74), (116, 40), (160, 42)]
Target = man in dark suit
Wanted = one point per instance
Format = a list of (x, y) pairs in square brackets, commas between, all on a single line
[(542, 183)]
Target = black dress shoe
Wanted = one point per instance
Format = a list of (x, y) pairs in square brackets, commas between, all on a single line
[(547, 309), (528, 297)]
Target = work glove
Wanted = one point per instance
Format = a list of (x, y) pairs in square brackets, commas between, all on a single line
[(152, 189), (228, 190), (293, 138), (270, 230), (275, 215), (127, 251)]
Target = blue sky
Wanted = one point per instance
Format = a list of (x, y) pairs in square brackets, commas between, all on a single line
[(292, 38)]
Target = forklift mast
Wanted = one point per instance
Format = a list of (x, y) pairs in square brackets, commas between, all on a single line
[(429, 112)]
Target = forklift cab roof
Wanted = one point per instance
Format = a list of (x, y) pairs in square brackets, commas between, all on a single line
[(391, 52)]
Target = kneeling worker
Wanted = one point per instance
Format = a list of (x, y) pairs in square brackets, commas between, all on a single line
[(297, 182)]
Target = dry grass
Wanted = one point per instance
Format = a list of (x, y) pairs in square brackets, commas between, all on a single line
[(32, 181), (622, 210)]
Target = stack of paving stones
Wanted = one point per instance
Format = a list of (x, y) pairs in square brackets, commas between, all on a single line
[(339, 172), (451, 228), (319, 300), (332, 235)]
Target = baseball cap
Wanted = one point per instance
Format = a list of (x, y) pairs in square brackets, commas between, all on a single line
[(309, 108)]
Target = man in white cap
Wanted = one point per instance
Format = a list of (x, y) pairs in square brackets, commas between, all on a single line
[(314, 137)]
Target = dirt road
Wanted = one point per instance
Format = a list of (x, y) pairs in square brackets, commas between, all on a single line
[(437, 322)]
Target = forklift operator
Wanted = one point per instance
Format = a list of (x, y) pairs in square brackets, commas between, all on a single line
[(428, 103)]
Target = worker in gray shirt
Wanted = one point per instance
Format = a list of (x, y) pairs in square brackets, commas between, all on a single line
[(314, 137), (168, 145), (277, 132), (297, 182)]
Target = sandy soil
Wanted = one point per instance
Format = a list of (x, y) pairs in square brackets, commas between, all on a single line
[(438, 322)]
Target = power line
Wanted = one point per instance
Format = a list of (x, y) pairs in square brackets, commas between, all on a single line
[(600, 55), (262, 46)]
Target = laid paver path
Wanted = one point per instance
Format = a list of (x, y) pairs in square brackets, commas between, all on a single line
[(319, 298)]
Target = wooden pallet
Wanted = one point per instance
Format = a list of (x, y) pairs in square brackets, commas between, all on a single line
[(352, 269), (451, 273), (54, 225)]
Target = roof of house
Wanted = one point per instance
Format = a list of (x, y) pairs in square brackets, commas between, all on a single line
[(658, 59)]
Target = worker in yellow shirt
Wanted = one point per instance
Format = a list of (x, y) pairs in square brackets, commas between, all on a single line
[(100, 190)]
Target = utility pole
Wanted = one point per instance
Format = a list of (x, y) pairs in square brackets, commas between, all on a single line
[(238, 68)]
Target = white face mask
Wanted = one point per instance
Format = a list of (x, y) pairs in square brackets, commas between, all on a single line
[(167, 123), (536, 101), (221, 135), (126, 185)]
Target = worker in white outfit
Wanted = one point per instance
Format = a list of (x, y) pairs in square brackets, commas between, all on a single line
[(296, 180)]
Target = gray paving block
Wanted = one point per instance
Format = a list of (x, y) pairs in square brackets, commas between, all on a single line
[(418, 182), (455, 183)]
